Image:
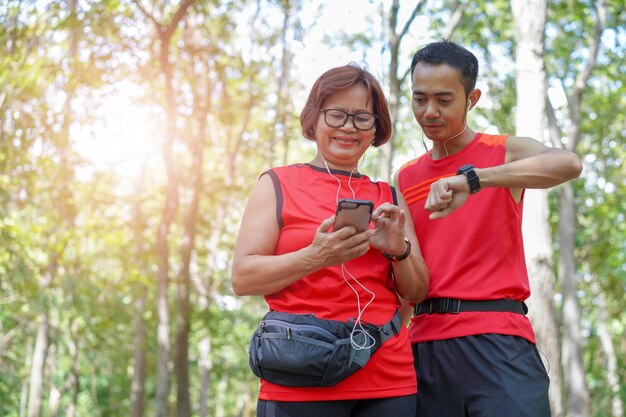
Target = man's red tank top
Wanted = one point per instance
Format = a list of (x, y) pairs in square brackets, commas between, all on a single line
[(475, 253), (305, 196)]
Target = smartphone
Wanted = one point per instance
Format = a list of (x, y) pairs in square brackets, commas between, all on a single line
[(356, 213)]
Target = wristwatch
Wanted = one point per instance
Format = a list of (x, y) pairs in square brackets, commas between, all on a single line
[(403, 256), (472, 178)]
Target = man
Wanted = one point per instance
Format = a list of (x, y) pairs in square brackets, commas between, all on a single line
[(474, 347)]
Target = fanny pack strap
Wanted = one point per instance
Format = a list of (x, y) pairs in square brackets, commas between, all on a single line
[(381, 334), (391, 328), (455, 306)]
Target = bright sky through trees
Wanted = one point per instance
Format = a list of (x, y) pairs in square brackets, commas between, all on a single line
[(122, 140)]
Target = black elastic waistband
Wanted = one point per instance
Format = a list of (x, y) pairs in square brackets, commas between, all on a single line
[(454, 306)]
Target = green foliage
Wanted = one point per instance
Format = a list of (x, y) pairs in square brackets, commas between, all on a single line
[(601, 244)]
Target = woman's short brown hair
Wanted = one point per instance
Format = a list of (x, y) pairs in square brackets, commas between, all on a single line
[(338, 79)]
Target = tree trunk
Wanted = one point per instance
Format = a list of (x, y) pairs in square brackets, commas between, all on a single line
[(204, 366), (577, 395), (395, 80), (162, 246), (72, 384), (164, 34), (64, 203), (281, 133), (542, 312), (28, 357), (54, 393), (386, 153), (66, 209), (137, 394), (530, 16), (137, 389), (604, 334), (24, 392), (183, 404), (38, 363)]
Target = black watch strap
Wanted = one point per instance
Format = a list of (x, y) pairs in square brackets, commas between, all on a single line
[(398, 258), (472, 178)]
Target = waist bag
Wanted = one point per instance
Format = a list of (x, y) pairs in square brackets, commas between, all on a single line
[(301, 350)]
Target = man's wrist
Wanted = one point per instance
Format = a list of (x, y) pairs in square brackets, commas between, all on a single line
[(472, 179)]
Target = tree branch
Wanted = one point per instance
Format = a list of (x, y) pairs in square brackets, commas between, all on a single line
[(594, 48), (553, 125), (180, 13), (409, 22), (150, 17), (455, 18), (584, 75)]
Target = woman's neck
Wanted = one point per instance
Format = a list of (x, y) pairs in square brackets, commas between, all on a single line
[(321, 162)]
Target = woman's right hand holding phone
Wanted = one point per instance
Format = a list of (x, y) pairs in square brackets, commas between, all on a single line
[(335, 247)]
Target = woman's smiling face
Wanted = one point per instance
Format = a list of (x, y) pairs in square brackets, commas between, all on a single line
[(342, 147)]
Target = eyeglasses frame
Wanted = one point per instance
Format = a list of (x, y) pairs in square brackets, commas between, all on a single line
[(348, 115)]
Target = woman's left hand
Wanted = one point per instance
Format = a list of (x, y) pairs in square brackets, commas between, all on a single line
[(389, 233)]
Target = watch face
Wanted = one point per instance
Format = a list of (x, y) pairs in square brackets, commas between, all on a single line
[(472, 178)]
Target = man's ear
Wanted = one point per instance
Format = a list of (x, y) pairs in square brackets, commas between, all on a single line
[(472, 98)]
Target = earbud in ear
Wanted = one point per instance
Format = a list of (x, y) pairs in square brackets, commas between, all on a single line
[(469, 104)]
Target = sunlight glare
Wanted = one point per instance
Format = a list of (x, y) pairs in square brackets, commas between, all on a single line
[(121, 138)]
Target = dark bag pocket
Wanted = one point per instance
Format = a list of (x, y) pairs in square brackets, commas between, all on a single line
[(302, 351)]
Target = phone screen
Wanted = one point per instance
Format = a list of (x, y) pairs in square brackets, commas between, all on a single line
[(356, 213)]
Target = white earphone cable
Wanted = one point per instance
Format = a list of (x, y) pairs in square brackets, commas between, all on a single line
[(368, 340)]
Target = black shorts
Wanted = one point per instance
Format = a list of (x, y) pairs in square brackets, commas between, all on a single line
[(489, 375), (380, 407)]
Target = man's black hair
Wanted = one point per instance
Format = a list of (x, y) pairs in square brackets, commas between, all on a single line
[(452, 54)]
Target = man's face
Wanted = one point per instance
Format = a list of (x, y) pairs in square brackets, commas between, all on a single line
[(439, 103)]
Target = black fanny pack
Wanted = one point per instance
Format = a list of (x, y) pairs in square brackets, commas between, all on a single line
[(301, 350)]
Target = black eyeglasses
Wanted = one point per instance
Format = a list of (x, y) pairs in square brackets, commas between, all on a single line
[(338, 118)]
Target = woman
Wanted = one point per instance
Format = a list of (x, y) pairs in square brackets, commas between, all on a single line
[(288, 251)]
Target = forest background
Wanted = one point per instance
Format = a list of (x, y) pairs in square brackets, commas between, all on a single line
[(131, 134)]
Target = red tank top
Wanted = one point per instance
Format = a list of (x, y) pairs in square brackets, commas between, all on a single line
[(305, 196), (475, 253)]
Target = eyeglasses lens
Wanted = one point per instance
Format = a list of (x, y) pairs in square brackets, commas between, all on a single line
[(338, 118)]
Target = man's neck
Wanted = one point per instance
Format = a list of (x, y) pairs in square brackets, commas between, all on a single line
[(453, 144)]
